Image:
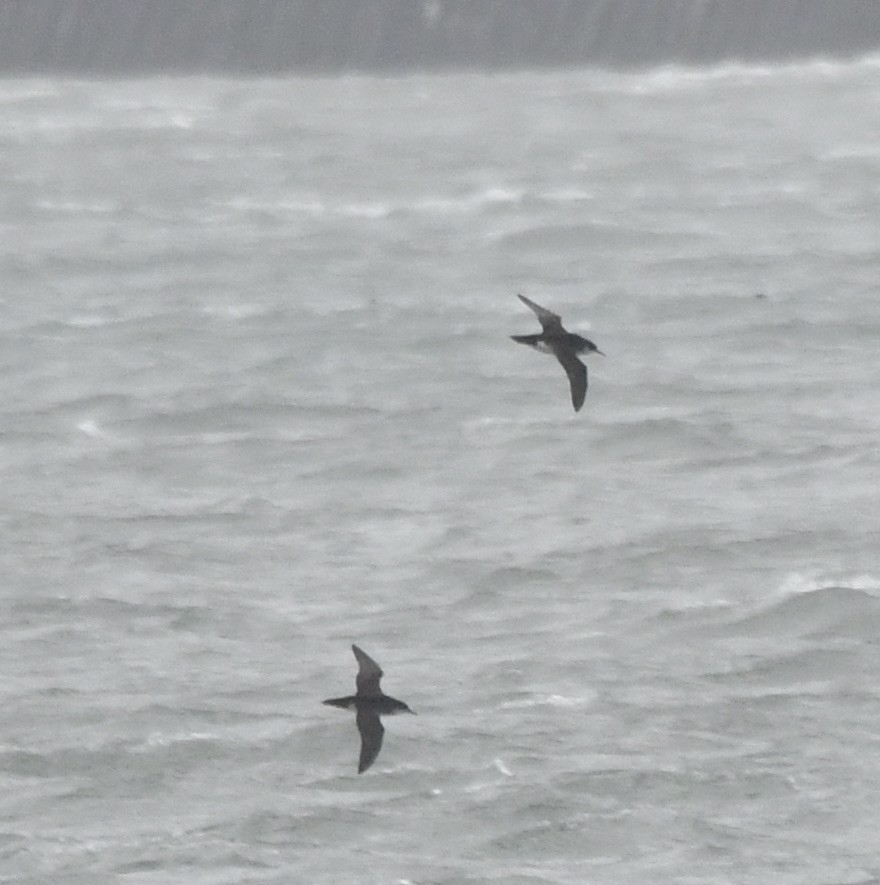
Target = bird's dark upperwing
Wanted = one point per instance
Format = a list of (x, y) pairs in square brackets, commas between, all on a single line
[(371, 738), (369, 674), (577, 375), (549, 321)]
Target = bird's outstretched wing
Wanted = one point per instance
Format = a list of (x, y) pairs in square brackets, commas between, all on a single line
[(549, 321), (371, 730), (368, 676), (577, 375)]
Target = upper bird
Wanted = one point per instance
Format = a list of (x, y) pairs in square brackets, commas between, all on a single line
[(370, 704), (565, 346)]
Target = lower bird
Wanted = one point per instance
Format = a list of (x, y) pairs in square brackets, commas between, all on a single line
[(564, 345), (369, 703)]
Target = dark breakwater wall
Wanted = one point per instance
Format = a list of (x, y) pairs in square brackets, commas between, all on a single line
[(331, 36)]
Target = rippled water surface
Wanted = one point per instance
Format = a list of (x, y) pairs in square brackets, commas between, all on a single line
[(259, 402)]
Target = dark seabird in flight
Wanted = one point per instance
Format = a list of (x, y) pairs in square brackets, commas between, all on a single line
[(369, 703), (565, 346)]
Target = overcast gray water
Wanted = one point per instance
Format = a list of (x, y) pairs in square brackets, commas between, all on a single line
[(133, 37), (259, 402)]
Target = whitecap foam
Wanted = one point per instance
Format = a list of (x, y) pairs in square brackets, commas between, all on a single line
[(233, 311), (499, 764), (679, 77), (76, 207), (159, 739), (91, 428), (88, 321), (552, 700), (467, 202), (808, 582), (364, 210)]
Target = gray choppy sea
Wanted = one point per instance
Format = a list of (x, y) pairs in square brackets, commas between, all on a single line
[(258, 402)]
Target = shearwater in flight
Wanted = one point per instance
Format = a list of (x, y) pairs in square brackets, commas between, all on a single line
[(564, 345), (369, 703)]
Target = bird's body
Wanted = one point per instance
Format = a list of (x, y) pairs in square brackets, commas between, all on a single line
[(369, 703), (564, 345)]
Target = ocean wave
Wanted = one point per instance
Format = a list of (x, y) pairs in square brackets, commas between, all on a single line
[(560, 238), (827, 611), (471, 201), (62, 609), (810, 672), (679, 437)]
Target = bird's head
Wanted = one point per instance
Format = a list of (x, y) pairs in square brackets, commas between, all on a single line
[(586, 346), (401, 707)]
